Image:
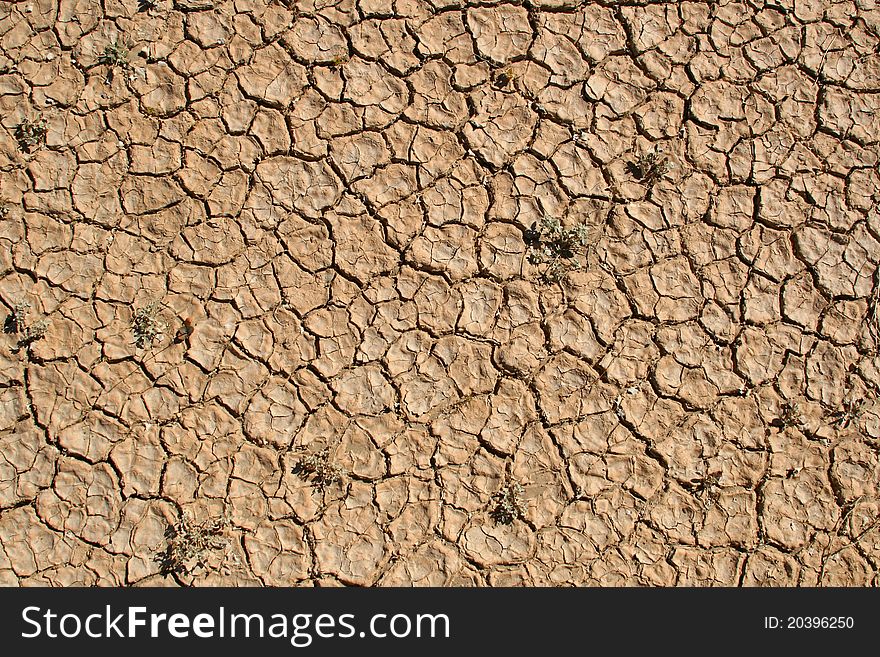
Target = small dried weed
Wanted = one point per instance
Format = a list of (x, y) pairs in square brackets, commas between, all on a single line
[(503, 79), (31, 134), (559, 250), (850, 411), (339, 61), (790, 416), (146, 326), (16, 322), (509, 504), (649, 167), (320, 469), (872, 318), (192, 545), (115, 56)]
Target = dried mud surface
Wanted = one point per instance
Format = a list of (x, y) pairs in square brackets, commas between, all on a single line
[(378, 383)]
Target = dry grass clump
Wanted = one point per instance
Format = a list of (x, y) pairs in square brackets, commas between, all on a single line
[(146, 326), (790, 417), (649, 167), (16, 322), (320, 469), (31, 134), (191, 544), (509, 504), (851, 410), (557, 249)]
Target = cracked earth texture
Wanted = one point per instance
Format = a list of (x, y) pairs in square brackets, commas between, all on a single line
[(376, 385)]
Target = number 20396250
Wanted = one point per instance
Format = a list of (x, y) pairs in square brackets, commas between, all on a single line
[(809, 622)]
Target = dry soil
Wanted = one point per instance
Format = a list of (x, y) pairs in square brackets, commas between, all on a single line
[(394, 372)]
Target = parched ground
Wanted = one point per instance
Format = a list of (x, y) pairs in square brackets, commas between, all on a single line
[(439, 293)]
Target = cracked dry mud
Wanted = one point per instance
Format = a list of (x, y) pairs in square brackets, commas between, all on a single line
[(376, 383)]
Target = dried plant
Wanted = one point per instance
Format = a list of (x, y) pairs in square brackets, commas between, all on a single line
[(706, 489), (509, 504), (184, 331), (790, 417), (115, 56), (34, 332), (851, 410), (558, 249), (16, 321), (30, 334), (320, 469), (146, 325), (31, 134), (504, 78), (146, 5), (191, 544), (650, 166)]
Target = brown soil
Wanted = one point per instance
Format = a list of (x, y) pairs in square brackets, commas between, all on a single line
[(424, 292)]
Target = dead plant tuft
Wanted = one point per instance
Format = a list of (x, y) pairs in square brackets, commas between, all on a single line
[(146, 326), (509, 504), (191, 544), (16, 321), (790, 416), (320, 469), (31, 134), (558, 249), (649, 167)]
